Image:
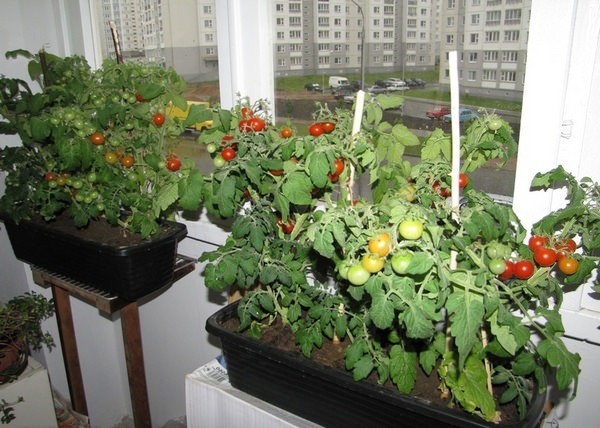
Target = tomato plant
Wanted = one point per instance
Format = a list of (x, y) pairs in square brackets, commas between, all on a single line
[(218, 161), (339, 166), (372, 263), (110, 158), (509, 270), (497, 266), (411, 229), (286, 227), (256, 124), (494, 124), (127, 161)]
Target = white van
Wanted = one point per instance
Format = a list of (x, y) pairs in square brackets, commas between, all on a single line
[(335, 81)]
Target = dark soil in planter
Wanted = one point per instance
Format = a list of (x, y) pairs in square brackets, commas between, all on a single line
[(332, 355)]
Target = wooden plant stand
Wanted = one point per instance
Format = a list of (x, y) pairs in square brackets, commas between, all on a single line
[(62, 289)]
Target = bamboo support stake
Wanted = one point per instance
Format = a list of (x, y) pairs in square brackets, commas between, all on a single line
[(117, 44)]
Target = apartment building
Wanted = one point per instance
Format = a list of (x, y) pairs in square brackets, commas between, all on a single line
[(490, 37), (329, 37)]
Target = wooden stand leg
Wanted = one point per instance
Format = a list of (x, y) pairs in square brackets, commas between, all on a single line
[(69, 348), (134, 356)]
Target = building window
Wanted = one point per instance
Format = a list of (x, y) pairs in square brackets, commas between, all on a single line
[(278, 7), (472, 56), (297, 60), (280, 48), (337, 35), (210, 51), (324, 47), (280, 21), (474, 38), (295, 21), (280, 35), (492, 36), (296, 47), (411, 34), (450, 21), (493, 17), (388, 34), (295, 7), (512, 17), (489, 75), (324, 60), (475, 19), (323, 22), (208, 23), (449, 39), (490, 56), (207, 10), (508, 76), (323, 34), (510, 56), (376, 34), (323, 8), (451, 4), (281, 62), (511, 36), (476, 3), (295, 34), (471, 75), (208, 38)]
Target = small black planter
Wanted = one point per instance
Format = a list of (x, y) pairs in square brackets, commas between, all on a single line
[(129, 272), (331, 397)]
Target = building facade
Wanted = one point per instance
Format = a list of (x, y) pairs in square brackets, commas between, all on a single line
[(331, 37), (490, 37)]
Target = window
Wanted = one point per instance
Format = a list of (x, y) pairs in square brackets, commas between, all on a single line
[(281, 62), (208, 23), (449, 39), (295, 7), (295, 34), (490, 56), (511, 36), (323, 8), (324, 47), (296, 47), (471, 75), (450, 21), (488, 75), (375, 34), (280, 48), (296, 60), (208, 37), (475, 19), (323, 34), (324, 60), (295, 21), (411, 34), (474, 38), (207, 10), (508, 76), (280, 21), (451, 4), (492, 36), (210, 51), (278, 7), (510, 56), (388, 34), (280, 35), (512, 17), (472, 56), (493, 17), (476, 3), (323, 22)]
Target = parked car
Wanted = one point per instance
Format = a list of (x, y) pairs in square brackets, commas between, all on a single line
[(419, 82), (342, 91), (355, 85), (313, 87), (376, 89), (464, 114), (438, 112)]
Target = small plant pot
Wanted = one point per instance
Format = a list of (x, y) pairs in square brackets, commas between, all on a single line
[(331, 397), (13, 359)]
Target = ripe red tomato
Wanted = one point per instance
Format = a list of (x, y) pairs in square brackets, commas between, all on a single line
[(463, 180), (228, 153), (567, 245), (316, 129), (97, 138), (139, 98), (246, 112), (226, 139), (244, 125), (286, 132), (257, 124), (276, 172), (537, 241), (173, 163), (127, 161), (524, 269), (568, 265), (441, 189), (49, 176), (544, 256), (158, 119), (339, 166), (328, 127), (288, 227), (380, 245), (333, 178)]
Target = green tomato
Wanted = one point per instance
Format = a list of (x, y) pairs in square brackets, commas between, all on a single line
[(400, 262), (92, 177), (343, 269), (218, 161), (496, 250), (494, 124), (358, 275), (211, 148), (411, 229), (497, 266)]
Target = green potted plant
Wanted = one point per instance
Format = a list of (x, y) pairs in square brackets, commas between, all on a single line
[(97, 146), (20, 330), (401, 282)]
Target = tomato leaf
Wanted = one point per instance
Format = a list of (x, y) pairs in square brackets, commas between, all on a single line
[(403, 368)]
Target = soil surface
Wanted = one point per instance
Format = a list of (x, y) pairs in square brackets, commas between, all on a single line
[(332, 355)]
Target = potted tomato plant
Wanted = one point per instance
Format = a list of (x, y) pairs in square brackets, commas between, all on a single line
[(401, 282), (97, 146)]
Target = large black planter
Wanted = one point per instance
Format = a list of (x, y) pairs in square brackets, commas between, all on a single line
[(331, 397), (130, 271)]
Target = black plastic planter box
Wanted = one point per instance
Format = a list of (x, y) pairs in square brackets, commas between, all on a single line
[(331, 397), (129, 272)]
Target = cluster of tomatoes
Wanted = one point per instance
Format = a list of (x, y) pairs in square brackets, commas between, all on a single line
[(545, 254), (250, 122), (320, 128), (379, 248)]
